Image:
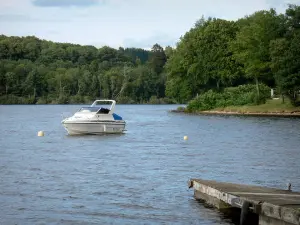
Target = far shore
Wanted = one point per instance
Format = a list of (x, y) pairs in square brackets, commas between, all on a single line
[(229, 113), (273, 107)]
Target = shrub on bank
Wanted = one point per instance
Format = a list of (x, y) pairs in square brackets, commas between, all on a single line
[(76, 99), (232, 96), (12, 99), (125, 100)]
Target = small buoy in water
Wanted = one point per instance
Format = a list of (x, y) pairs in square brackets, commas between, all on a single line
[(185, 138), (41, 133)]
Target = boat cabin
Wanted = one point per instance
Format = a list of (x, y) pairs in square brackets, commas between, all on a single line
[(105, 107)]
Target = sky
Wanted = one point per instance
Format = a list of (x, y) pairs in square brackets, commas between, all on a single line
[(120, 23)]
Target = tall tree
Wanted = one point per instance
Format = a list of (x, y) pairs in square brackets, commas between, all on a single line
[(251, 47), (202, 59), (158, 58), (285, 54)]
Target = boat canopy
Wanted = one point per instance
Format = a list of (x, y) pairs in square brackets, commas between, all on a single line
[(105, 103), (100, 107)]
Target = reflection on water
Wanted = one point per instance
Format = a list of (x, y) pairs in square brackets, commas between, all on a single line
[(139, 177)]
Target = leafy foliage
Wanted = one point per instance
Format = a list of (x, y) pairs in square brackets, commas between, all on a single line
[(231, 96), (202, 60), (285, 55), (38, 71), (251, 46), (261, 49)]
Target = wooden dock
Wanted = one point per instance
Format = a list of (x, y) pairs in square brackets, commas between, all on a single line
[(271, 206)]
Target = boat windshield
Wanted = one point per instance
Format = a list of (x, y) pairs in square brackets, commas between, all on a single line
[(89, 109), (103, 104)]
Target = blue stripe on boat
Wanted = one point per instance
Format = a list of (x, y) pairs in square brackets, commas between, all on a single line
[(116, 117)]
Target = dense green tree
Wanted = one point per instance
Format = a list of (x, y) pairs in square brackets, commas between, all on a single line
[(202, 59), (251, 46), (285, 54), (44, 71), (169, 51), (158, 58), (137, 53)]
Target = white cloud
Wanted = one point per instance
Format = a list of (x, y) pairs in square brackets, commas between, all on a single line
[(121, 22)]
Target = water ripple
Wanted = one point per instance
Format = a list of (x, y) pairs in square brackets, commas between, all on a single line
[(139, 177)]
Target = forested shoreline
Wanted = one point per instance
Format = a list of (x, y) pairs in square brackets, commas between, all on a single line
[(220, 63), (38, 71), (217, 63)]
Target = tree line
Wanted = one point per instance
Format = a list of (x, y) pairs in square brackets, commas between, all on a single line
[(38, 71), (261, 49)]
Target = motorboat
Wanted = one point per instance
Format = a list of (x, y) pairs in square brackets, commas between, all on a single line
[(99, 118)]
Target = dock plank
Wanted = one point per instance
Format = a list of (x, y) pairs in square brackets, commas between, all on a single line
[(277, 204)]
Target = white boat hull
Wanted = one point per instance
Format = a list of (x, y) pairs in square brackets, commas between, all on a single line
[(79, 128), (95, 119)]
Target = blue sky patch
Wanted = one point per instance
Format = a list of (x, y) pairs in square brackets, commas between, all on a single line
[(120, 23)]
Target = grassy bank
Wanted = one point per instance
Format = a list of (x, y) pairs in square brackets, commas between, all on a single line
[(271, 107)]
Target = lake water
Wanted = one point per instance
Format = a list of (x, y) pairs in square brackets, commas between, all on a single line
[(139, 177)]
